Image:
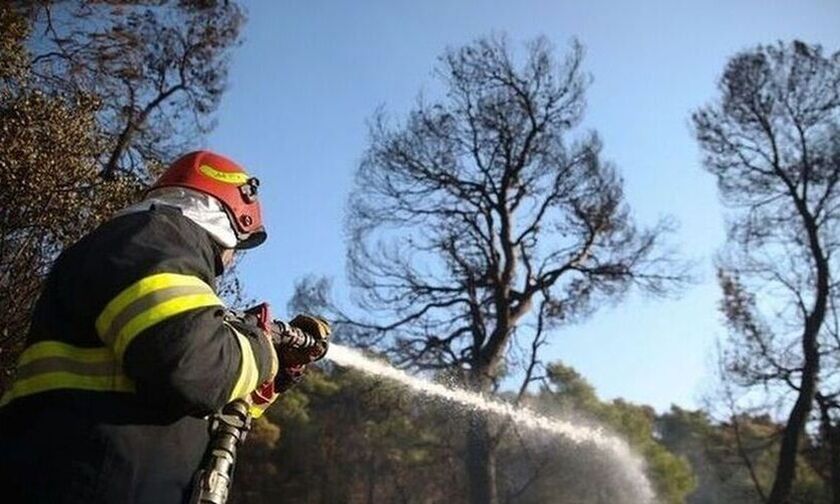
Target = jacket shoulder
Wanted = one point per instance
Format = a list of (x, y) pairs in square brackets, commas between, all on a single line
[(160, 239), (113, 257)]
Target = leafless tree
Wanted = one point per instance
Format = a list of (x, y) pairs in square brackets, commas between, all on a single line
[(773, 142), (476, 221)]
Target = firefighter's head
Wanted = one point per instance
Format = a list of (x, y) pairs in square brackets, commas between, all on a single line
[(220, 177)]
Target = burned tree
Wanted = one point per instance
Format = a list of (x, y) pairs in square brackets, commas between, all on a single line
[(158, 67), (773, 142), (476, 222)]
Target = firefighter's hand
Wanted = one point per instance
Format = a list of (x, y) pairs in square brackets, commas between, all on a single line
[(302, 341)]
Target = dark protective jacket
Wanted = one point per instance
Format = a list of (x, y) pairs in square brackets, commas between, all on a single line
[(129, 348)]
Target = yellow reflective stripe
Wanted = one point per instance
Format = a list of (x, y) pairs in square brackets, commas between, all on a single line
[(249, 373), (62, 380), (140, 289), (45, 349), (53, 365), (158, 313)]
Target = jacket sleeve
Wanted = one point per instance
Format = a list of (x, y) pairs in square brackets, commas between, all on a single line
[(168, 328)]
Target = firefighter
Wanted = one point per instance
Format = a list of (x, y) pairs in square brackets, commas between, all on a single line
[(130, 348)]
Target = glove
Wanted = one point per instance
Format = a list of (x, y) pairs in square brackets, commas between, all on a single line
[(319, 329), (300, 342)]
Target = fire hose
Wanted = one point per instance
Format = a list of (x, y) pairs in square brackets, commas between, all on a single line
[(228, 429), (230, 426)]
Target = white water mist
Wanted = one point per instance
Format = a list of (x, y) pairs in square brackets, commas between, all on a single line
[(619, 451)]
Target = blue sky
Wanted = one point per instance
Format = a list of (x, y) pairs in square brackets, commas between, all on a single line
[(309, 75)]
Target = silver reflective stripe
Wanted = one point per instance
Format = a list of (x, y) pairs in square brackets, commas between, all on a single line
[(66, 365)]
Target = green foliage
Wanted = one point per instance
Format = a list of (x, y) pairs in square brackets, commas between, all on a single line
[(671, 475), (347, 438), (718, 454), (342, 437), (569, 394)]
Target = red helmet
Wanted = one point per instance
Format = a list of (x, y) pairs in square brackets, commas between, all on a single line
[(223, 179)]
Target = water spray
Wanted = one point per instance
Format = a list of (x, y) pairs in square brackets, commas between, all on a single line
[(596, 437)]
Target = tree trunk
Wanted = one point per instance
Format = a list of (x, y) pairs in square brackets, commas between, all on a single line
[(786, 468), (481, 445), (834, 446), (481, 461), (831, 437)]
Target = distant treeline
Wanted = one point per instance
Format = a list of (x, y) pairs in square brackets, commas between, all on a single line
[(345, 438)]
